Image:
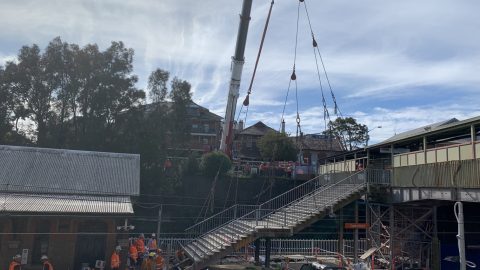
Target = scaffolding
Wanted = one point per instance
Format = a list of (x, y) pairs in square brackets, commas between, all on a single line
[(403, 235)]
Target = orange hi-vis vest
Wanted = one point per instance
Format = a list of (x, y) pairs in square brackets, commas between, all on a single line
[(14, 266), (140, 244), (133, 253), (47, 265), (159, 262), (115, 261)]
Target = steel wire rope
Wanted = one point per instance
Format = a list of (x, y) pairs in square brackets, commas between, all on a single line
[(293, 76), (336, 108)]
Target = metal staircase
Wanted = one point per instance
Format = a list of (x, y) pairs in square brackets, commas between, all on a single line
[(282, 216)]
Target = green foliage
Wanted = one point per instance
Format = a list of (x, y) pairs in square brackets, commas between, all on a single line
[(157, 84), (191, 166), (350, 133), (215, 162), (276, 146), (86, 98)]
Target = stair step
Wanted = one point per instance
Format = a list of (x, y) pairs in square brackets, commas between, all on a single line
[(207, 252), (192, 254), (217, 242), (207, 245)]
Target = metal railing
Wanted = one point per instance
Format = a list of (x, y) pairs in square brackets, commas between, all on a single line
[(306, 247), (323, 183), (219, 219), (379, 177)]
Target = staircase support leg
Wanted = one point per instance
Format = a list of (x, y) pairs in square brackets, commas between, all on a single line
[(257, 252), (268, 249), (355, 238)]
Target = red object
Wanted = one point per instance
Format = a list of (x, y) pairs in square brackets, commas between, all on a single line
[(352, 226)]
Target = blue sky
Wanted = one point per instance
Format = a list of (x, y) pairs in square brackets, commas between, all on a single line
[(398, 64)]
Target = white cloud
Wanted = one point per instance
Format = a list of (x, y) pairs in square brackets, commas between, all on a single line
[(374, 51)]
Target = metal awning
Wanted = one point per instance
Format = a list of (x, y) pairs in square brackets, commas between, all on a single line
[(52, 203)]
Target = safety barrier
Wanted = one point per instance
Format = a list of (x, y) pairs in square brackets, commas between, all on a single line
[(456, 152), (305, 247)]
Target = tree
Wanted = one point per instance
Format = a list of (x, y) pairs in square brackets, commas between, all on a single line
[(181, 97), (350, 133), (276, 146), (157, 85), (215, 162)]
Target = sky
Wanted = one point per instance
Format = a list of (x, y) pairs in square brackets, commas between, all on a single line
[(394, 64)]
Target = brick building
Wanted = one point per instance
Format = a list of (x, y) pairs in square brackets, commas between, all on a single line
[(63, 203)]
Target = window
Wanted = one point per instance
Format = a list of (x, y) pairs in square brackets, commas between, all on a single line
[(205, 141), (194, 126), (206, 127)]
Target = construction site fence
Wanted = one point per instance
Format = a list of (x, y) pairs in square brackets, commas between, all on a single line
[(305, 247)]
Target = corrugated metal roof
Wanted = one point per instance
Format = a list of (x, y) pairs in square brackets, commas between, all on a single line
[(427, 130), (59, 171), (35, 203)]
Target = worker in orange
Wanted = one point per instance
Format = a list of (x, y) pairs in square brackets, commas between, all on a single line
[(15, 264), (159, 260), (133, 255), (115, 259), (140, 245), (152, 243), (46, 265), (149, 263)]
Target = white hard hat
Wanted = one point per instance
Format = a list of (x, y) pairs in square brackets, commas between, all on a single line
[(44, 257), (18, 256), (153, 234), (118, 248)]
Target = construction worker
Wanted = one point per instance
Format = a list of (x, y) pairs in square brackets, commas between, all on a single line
[(159, 261), (152, 243), (16, 263), (149, 263), (133, 255), (115, 259), (140, 245), (46, 265)]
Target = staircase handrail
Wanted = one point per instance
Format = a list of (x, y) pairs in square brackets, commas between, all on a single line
[(210, 221), (302, 186), (258, 208)]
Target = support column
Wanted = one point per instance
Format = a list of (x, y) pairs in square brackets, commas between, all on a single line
[(257, 252), (392, 237), (268, 249), (435, 242), (473, 138), (355, 236), (340, 232)]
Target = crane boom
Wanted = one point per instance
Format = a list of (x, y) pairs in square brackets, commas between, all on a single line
[(236, 68)]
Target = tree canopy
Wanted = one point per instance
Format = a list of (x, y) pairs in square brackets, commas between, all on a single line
[(350, 133), (276, 146), (73, 97)]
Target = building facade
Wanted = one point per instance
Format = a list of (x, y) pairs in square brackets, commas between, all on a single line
[(65, 204)]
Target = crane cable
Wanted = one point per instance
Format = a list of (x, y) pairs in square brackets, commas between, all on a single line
[(293, 77), (246, 101), (336, 108)]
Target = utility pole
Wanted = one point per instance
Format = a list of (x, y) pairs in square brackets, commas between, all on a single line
[(458, 208)]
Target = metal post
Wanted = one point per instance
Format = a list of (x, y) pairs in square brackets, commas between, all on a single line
[(159, 221), (473, 137), (392, 236), (257, 252), (340, 232), (458, 208), (435, 242), (355, 238), (268, 249)]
